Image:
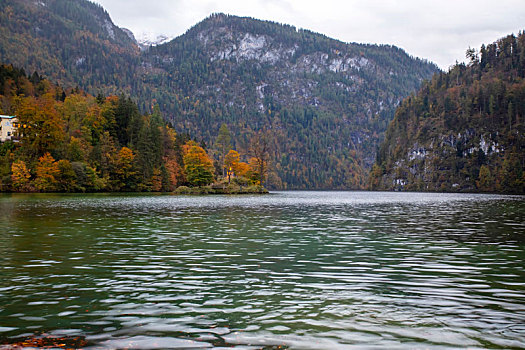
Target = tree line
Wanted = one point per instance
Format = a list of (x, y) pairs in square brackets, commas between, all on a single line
[(71, 141)]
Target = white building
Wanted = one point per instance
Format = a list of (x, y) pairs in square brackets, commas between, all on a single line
[(8, 127)]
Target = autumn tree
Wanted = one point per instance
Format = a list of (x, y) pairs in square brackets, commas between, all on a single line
[(46, 173), (174, 174), (107, 154), (125, 171), (171, 171), (197, 165), (76, 149), (375, 177), (156, 180), (485, 180), (231, 160), (242, 169), (253, 171), (43, 132), (20, 176)]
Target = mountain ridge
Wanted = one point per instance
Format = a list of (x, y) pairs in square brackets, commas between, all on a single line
[(326, 102)]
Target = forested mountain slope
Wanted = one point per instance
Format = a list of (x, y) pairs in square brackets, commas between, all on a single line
[(326, 104), (463, 130), (71, 42)]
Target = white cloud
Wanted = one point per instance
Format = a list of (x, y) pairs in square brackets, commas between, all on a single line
[(439, 31)]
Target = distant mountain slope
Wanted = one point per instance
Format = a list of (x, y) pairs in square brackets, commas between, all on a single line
[(70, 41), (464, 130), (326, 103)]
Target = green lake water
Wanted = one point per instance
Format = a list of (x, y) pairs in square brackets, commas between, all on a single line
[(297, 270)]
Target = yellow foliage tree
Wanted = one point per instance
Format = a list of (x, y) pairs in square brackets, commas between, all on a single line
[(485, 180), (125, 171), (260, 149), (20, 176), (44, 130), (197, 165)]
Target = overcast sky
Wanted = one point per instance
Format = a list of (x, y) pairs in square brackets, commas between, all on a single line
[(438, 30)]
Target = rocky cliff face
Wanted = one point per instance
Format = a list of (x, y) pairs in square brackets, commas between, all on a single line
[(427, 165), (287, 74)]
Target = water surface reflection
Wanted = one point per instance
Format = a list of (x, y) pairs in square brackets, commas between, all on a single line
[(304, 270)]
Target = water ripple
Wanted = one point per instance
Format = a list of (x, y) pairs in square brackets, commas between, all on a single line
[(299, 270)]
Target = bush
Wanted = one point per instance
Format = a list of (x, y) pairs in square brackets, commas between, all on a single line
[(183, 190), (255, 189)]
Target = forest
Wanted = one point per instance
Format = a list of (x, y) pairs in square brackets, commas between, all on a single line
[(463, 130), (70, 141)]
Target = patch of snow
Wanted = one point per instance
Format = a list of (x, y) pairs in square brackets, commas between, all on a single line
[(223, 55), (483, 145), (147, 39), (363, 62), (203, 38)]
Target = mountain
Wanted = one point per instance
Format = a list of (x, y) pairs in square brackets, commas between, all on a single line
[(145, 40), (325, 103), (463, 130), (70, 42)]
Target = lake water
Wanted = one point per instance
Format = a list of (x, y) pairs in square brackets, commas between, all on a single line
[(291, 270)]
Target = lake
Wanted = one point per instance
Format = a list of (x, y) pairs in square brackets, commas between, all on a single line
[(290, 270)]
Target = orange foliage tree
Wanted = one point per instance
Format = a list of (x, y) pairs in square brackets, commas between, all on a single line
[(231, 160), (46, 173)]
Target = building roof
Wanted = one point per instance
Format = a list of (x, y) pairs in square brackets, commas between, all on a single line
[(7, 116)]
